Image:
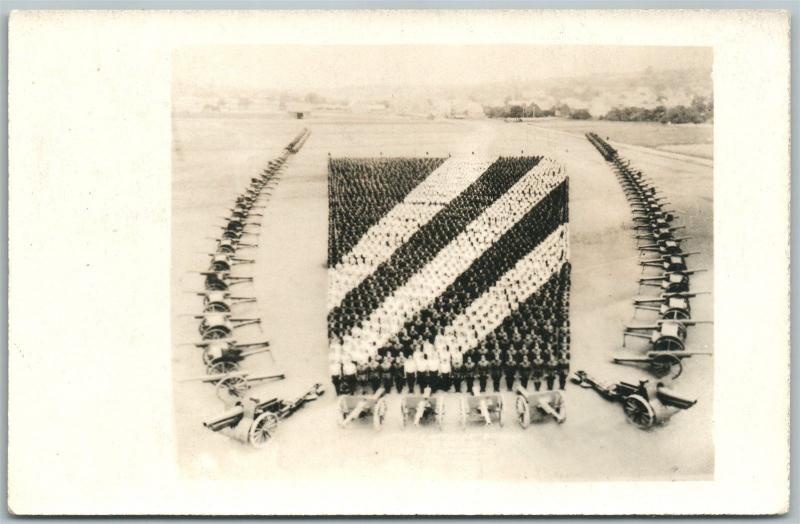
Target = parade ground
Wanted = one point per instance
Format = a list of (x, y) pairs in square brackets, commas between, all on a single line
[(214, 158)]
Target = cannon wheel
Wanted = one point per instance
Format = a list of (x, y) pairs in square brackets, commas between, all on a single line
[(668, 344), (639, 411), (523, 413), (220, 266), (222, 366), (676, 314), (262, 429), (226, 249), (235, 386), (440, 413), (216, 333), (379, 413), (207, 358), (464, 412), (664, 364), (217, 307)]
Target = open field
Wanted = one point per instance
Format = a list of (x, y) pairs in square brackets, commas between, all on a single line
[(688, 139), (213, 160)]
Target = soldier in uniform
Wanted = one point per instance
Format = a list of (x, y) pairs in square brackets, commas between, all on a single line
[(469, 373), (445, 370), (510, 369), (524, 370), (398, 364), (362, 375), (551, 371), (434, 377), (496, 371), (374, 373), (483, 372), (457, 364), (537, 370), (563, 371), (386, 373), (410, 369), (422, 371)]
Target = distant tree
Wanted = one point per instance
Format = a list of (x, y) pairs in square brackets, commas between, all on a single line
[(515, 111), (580, 114)]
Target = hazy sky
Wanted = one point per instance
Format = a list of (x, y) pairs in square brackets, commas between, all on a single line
[(318, 67)]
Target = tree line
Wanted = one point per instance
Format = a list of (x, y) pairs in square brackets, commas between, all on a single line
[(699, 111)]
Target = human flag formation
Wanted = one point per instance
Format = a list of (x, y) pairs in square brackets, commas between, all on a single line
[(434, 262)]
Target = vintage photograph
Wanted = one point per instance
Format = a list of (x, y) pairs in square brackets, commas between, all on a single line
[(458, 262)]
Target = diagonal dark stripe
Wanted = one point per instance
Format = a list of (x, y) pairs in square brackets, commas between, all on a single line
[(427, 241), (362, 191), (543, 315), (535, 226)]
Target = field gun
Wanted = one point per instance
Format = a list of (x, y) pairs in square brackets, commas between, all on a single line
[(224, 355), (671, 281), (539, 406), (661, 363), (235, 384), (663, 335), (668, 263), (225, 262), (670, 306), (253, 421), (424, 407), (228, 245), (485, 408), (353, 407), (221, 325), (645, 405)]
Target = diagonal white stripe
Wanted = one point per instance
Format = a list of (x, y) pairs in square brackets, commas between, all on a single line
[(515, 286), (394, 229), (430, 282)]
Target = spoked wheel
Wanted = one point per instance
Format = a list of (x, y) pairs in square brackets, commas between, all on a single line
[(216, 333), (676, 314), (664, 364), (217, 307), (464, 412), (639, 411), (668, 344), (220, 266), (231, 387), (262, 429), (207, 358), (216, 285), (523, 413), (440, 414), (223, 366)]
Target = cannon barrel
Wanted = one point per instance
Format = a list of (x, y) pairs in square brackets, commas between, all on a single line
[(232, 416)]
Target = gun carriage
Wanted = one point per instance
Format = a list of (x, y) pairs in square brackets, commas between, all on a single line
[(354, 407), (422, 408), (486, 408), (255, 422), (646, 404), (539, 406)]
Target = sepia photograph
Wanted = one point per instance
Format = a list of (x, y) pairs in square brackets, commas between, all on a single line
[(487, 262), (399, 262)]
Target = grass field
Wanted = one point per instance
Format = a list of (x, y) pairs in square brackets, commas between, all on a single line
[(687, 139), (213, 159)]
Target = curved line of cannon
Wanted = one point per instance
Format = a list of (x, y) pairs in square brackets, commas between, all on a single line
[(663, 254), (223, 355)]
